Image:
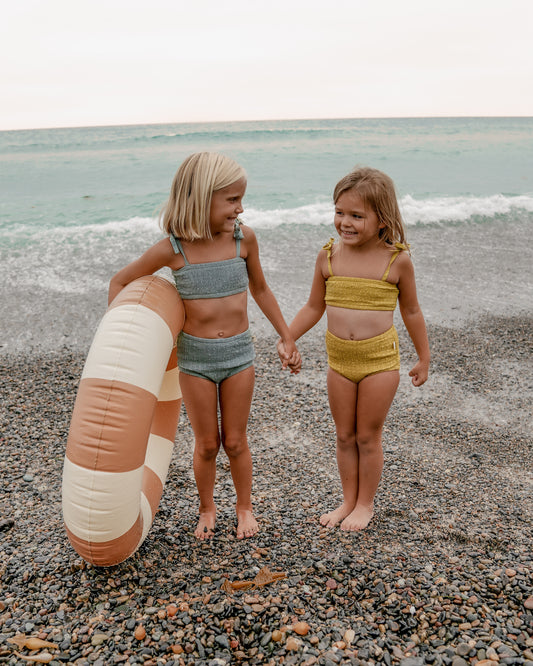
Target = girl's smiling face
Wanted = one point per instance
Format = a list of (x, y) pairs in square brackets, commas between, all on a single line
[(226, 206), (355, 223)]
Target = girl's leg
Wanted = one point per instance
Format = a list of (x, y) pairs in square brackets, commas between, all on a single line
[(235, 396), (200, 398), (342, 394), (374, 398)]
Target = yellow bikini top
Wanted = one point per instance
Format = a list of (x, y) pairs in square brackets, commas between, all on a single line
[(361, 293)]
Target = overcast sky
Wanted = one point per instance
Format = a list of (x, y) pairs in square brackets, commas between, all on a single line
[(105, 62)]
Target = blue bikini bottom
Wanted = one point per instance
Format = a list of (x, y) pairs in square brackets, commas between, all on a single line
[(215, 359)]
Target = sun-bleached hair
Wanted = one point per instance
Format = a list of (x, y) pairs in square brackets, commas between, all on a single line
[(186, 212), (377, 191)]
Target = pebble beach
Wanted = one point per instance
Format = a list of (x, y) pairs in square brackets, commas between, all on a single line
[(443, 574)]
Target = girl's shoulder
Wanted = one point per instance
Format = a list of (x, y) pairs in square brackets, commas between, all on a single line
[(246, 231), (164, 247), (323, 259), (247, 237), (401, 265)]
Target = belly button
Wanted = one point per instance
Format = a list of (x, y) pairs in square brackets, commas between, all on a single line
[(351, 337), (221, 334)]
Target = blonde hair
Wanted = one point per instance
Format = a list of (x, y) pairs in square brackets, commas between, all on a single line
[(186, 212), (377, 191)]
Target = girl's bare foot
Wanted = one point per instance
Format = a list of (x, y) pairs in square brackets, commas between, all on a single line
[(358, 519), (206, 525), (247, 525), (333, 517)]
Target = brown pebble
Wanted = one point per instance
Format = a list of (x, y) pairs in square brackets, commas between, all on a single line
[(349, 635), (301, 628), (140, 632), (292, 644)]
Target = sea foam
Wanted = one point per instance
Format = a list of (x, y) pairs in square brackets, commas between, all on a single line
[(438, 210)]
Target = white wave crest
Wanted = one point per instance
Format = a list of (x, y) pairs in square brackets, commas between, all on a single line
[(436, 210), (414, 211), (139, 225), (460, 209), (314, 214)]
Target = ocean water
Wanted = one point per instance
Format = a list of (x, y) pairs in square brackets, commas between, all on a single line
[(78, 204)]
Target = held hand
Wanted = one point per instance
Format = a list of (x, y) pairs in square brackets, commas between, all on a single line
[(419, 373), (283, 356), (289, 356), (295, 363)]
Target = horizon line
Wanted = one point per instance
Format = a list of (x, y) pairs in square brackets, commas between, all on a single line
[(259, 120)]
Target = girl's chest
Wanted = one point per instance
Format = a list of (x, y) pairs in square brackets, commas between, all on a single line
[(370, 267)]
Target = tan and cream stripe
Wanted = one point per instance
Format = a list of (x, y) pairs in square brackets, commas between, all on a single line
[(124, 423)]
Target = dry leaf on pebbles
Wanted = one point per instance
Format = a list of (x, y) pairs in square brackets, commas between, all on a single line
[(30, 642), (41, 658), (264, 577)]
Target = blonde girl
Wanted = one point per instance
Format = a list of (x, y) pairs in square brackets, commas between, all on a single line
[(214, 259), (358, 280)]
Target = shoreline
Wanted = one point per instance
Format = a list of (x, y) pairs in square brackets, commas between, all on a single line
[(442, 575), (463, 272)]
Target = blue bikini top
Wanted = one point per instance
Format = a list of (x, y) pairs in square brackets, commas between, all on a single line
[(213, 279)]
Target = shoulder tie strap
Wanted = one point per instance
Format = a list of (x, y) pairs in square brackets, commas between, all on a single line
[(399, 248), (328, 247), (237, 231), (174, 240), (238, 235)]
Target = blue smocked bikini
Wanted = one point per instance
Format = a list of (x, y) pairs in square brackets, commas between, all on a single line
[(214, 359)]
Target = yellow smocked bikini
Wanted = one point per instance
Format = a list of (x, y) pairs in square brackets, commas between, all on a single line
[(361, 293), (357, 359)]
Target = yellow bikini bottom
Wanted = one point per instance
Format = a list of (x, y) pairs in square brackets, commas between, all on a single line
[(357, 359)]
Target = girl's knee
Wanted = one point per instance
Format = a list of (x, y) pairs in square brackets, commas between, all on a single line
[(207, 448), (369, 440), (234, 446), (345, 440)]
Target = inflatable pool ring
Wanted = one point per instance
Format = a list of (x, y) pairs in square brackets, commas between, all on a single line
[(123, 423)]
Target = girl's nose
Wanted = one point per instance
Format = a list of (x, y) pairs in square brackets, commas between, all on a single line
[(239, 208)]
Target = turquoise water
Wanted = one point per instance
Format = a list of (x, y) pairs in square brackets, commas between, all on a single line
[(85, 176), (77, 204)]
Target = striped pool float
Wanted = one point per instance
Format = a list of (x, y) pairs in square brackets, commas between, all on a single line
[(123, 423)]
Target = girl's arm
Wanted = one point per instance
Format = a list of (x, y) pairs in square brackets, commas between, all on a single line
[(413, 319), (265, 299), (152, 260), (312, 311)]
